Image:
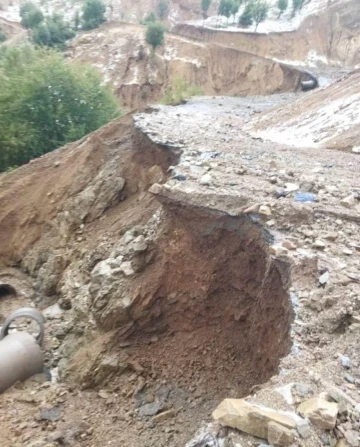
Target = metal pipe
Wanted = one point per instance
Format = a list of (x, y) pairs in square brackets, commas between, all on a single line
[(309, 85), (20, 358), (25, 312)]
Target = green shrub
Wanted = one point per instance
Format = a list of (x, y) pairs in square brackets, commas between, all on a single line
[(31, 15), (46, 102), (93, 14), (149, 18), (53, 33), (179, 91)]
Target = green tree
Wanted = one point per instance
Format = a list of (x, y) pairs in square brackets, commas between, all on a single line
[(54, 32), (162, 9), (260, 11), (76, 20), (46, 102), (297, 5), (2, 35), (149, 18), (155, 34), (225, 8), (93, 14), (282, 5), (247, 18), (205, 5), (235, 7), (31, 15)]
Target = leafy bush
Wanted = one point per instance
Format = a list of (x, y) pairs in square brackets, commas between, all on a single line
[(93, 14), (46, 102), (31, 15), (162, 9), (149, 18), (54, 32), (179, 91)]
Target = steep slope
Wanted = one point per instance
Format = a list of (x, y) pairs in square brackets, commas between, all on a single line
[(316, 121), (121, 54), (329, 36)]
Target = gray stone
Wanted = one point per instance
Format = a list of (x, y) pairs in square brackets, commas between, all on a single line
[(150, 409), (352, 437), (349, 378), (50, 414), (126, 268), (139, 244), (345, 361)]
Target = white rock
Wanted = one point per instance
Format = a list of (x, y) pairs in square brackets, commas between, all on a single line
[(291, 187), (356, 149), (126, 268), (206, 179), (348, 201), (265, 210), (320, 412), (319, 244)]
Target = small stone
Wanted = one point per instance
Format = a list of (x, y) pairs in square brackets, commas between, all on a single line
[(341, 443), (279, 435), (302, 390), (352, 437), (278, 250), (345, 361), (289, 245), (303, 428), (332, 236), (206, 180), (50, 414), (356, 149), (348, 201), (265, 210), (319, 244), (150, 409), (348, 378), (290, 187), (341, 397), (104, 394), (126, 268), (324, 278), (139, 244), (320, 412)]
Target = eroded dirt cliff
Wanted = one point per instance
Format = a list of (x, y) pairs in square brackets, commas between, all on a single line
[(177, 264)]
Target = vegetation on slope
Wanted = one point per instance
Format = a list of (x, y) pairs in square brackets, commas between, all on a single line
[(45, 103)]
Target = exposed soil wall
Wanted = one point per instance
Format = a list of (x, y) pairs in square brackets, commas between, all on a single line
[(215, 302), (333, 34)]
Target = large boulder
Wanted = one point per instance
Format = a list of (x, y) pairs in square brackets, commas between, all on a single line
[(253, 419), (320, 412)]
